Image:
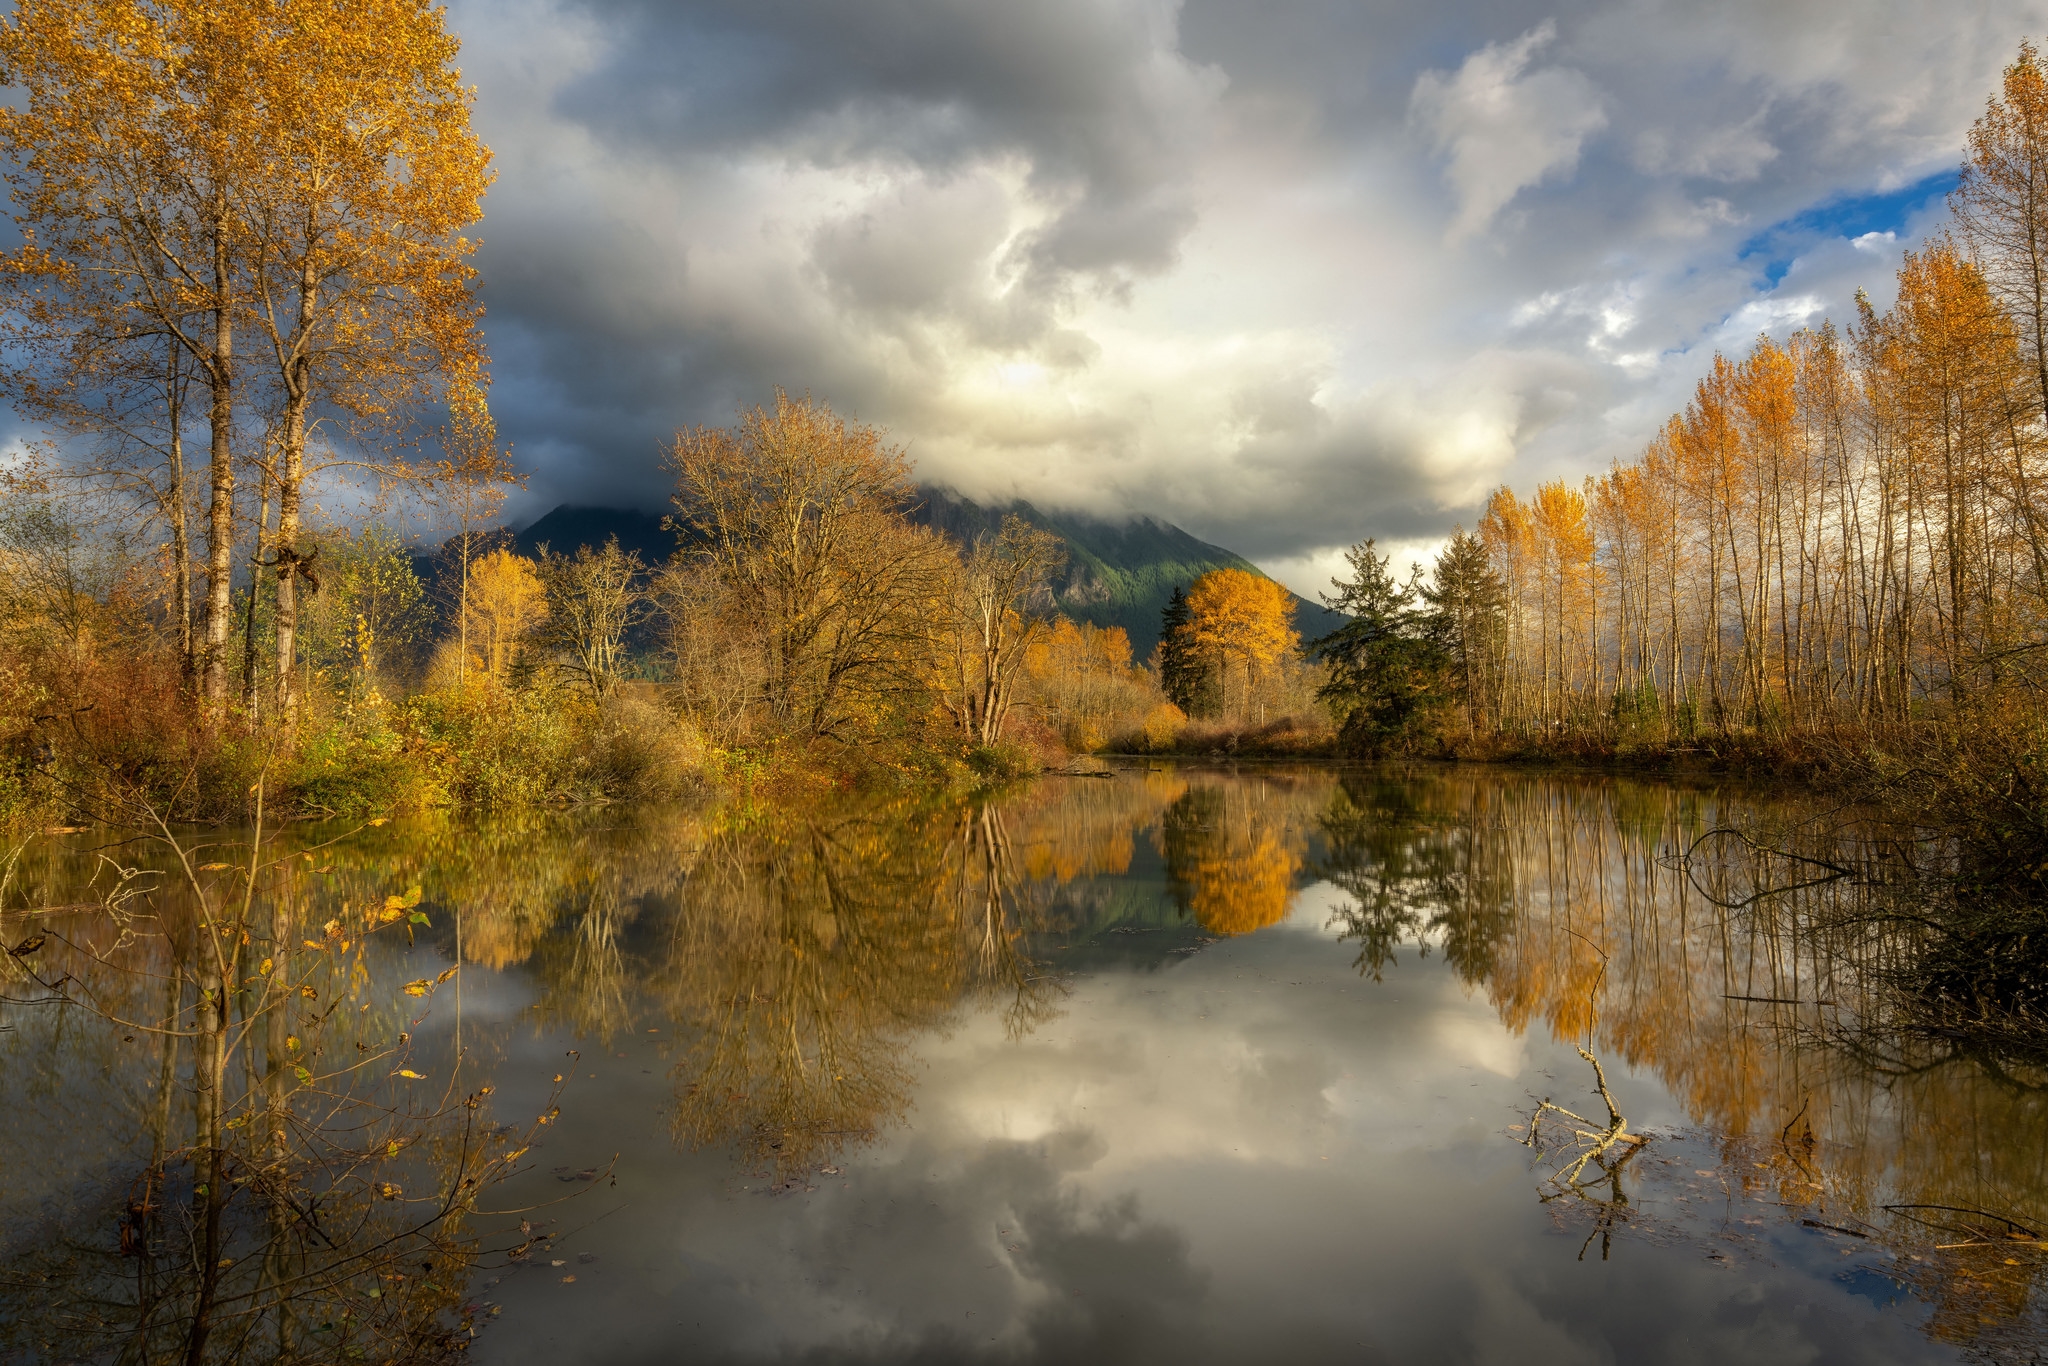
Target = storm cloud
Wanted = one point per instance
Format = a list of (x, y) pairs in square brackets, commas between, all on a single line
[(1288, 275)]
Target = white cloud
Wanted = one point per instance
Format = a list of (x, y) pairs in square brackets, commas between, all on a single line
[(1503, 127), (1182, 257)]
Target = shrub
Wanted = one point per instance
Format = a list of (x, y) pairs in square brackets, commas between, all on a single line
[(490, 746)]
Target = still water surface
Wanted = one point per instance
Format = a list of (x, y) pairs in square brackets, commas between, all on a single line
[(1178, 1065)]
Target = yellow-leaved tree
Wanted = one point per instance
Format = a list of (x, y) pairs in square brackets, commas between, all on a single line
[(188, 172), (128, 147), (1243, 623), (505, 601), (360, 276)]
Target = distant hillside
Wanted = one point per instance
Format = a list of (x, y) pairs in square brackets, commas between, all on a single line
[(1117, 574), (567, 527)]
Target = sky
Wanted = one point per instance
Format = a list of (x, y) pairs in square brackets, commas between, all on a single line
[(1288, 275)]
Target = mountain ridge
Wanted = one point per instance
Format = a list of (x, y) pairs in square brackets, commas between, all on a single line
[(1118, 573)]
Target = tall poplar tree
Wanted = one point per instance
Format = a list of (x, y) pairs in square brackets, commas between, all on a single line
[(360, 286), (126, 153), (189, 172)]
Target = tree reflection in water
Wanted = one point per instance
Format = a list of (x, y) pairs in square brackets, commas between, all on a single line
[(1755, 974), (799, 956), (262, 1172)]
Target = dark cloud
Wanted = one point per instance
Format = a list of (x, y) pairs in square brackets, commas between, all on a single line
[(1091, 99), (1287, 274)]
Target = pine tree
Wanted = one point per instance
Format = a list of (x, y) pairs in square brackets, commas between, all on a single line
[(1467, 622), (1387, 675), (1182, 674)]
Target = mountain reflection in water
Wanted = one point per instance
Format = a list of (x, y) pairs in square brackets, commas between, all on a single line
[(1204, 1065)]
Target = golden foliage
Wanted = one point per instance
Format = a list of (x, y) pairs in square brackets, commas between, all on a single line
[(801, 572), (188, 172), (1241, 622), (506, 603), (1081, 678), (1232, 856)]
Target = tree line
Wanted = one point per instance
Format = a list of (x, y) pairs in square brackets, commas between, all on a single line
[(1842, 531), (243, 318)]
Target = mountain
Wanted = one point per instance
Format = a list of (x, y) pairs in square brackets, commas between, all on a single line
[(568, 527), (1117, 573)]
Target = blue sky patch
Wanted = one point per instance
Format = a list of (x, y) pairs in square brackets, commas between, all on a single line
[(1850, 216)]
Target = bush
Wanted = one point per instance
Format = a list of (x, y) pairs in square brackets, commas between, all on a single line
[(494, 747), (641, 750), (1004, 762), (356, 765)]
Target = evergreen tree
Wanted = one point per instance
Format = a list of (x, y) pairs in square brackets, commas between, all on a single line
[(1387, 673), (1467, 621), (1184, 673)]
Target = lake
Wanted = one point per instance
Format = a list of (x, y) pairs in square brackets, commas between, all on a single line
[(1175, 1064)]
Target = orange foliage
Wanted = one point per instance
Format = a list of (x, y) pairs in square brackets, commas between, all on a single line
[(1232, 856), (1241, 622)]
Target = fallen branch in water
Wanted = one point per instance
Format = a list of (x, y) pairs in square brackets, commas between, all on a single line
[(1594, 1142)]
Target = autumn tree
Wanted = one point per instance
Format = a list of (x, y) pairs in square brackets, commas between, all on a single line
[(1242, 623), (470, 483), (504, 603), (594, 598), (360, 281), (372, 609), (1081, 680), (999, 602), (57, 573), (2001, 204), (129, 151), (794, 519), (185, 174)]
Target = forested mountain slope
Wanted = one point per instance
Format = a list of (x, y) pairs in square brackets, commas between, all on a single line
[(1117, 573)]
